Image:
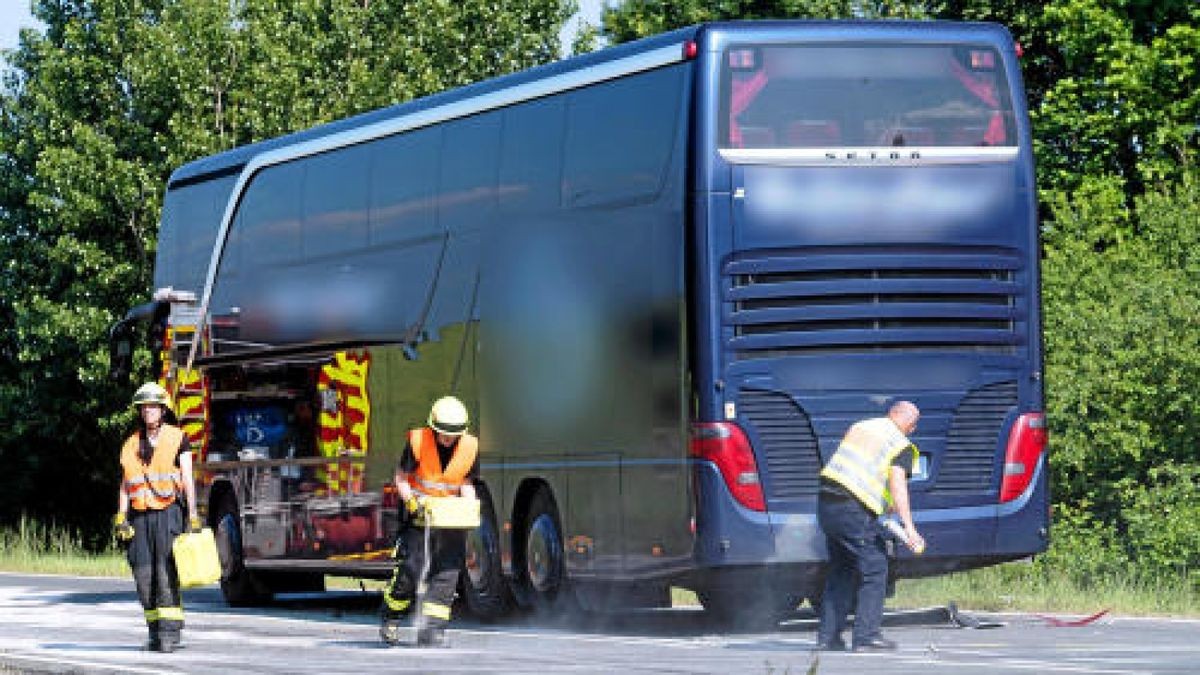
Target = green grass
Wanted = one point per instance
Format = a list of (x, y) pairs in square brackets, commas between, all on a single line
[(1026, 587), (32, 547)]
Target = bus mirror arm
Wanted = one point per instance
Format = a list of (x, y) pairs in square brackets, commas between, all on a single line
[(120, 350)]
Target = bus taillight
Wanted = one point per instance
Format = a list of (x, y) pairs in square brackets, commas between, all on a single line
[(1026, 443), (726, 445)]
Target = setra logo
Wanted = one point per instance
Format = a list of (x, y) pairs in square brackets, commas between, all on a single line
[(872, 155)]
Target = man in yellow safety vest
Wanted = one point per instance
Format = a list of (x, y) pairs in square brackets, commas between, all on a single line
[(867, 474)]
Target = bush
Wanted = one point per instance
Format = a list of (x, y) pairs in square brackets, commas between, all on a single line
[(1122, 332), (1164, 524)]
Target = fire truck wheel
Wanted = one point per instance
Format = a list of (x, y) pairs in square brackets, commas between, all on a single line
[(237, 583), (482, 584)]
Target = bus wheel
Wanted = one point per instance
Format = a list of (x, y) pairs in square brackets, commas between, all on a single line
[(237, 583), (543, 569), (482, 583)]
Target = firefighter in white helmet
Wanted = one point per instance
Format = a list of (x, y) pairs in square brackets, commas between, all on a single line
[(156, 465), (440, 460)]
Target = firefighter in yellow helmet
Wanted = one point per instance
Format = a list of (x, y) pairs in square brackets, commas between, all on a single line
[(440, 460), (865, 476), (156, 466)]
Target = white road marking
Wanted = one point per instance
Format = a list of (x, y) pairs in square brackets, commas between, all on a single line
[(87, 666)]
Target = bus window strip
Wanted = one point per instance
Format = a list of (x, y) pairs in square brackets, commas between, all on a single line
[(656, 58)]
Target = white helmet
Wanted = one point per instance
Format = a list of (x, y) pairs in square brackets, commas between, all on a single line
[(448, 416), (151, 393)]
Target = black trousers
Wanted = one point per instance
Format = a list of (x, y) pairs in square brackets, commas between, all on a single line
[(447, 549), (858, 569), (154, 572)]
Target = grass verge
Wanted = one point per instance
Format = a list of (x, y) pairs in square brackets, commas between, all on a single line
[(1028, 587), (32, 547)]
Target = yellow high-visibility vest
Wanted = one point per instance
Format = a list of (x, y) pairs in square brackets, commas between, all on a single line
[(863, 459)]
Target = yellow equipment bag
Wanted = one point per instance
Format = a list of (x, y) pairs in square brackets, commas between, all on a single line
[(196, 558), (452, 512)]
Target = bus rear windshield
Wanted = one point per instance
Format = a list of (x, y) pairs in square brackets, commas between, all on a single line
[(822, 96)]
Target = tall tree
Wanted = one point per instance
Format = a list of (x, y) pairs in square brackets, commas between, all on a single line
[(96, 112)]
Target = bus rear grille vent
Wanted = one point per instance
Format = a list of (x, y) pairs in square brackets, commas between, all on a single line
[(785, 438), (973, 444), (856, 302)]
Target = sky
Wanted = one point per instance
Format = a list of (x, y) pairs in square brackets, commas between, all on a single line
[(14, 15)]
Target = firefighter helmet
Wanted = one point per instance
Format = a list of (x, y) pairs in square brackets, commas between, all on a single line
[(151, 393), (448, 416)]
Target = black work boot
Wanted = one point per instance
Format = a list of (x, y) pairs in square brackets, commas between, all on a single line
[(431, 636), (389, 631)]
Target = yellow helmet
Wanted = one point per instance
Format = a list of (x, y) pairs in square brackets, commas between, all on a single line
[(448, 416), (151, 393)]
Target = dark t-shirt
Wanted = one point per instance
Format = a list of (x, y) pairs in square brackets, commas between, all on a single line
[(146, 451), (408, 461)]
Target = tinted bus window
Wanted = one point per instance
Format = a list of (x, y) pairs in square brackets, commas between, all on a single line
[(404, 171), (269, 217), (531, 157), (335, 202), (191, 216), (619, 137), (817, 96)]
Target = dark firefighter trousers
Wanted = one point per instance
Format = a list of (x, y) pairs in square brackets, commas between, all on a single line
[(447, 550), (154, 572)]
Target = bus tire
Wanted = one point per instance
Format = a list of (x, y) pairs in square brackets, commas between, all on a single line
[(541, 569), (482, 584), (237, 583)]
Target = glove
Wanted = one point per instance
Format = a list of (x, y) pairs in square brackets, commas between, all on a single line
[(122, 530), (194, 524), (413, 505)]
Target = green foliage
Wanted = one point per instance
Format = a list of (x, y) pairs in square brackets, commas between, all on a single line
[(633, 19), (98, 109), (1122, 322), (1162, 520)]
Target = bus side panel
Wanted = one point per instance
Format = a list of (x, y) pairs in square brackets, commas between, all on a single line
[(581, 309)]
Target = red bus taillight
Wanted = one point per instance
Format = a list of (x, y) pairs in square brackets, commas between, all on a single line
[(726, 445), (1026, 443)]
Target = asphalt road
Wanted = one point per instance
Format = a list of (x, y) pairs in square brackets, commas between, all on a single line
[(79, 625)]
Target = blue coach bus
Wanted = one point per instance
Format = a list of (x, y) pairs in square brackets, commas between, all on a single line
[(665, 277)]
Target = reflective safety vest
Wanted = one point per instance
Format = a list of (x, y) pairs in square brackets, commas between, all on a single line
[(155, 485), (430, 478), (864, 458)]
